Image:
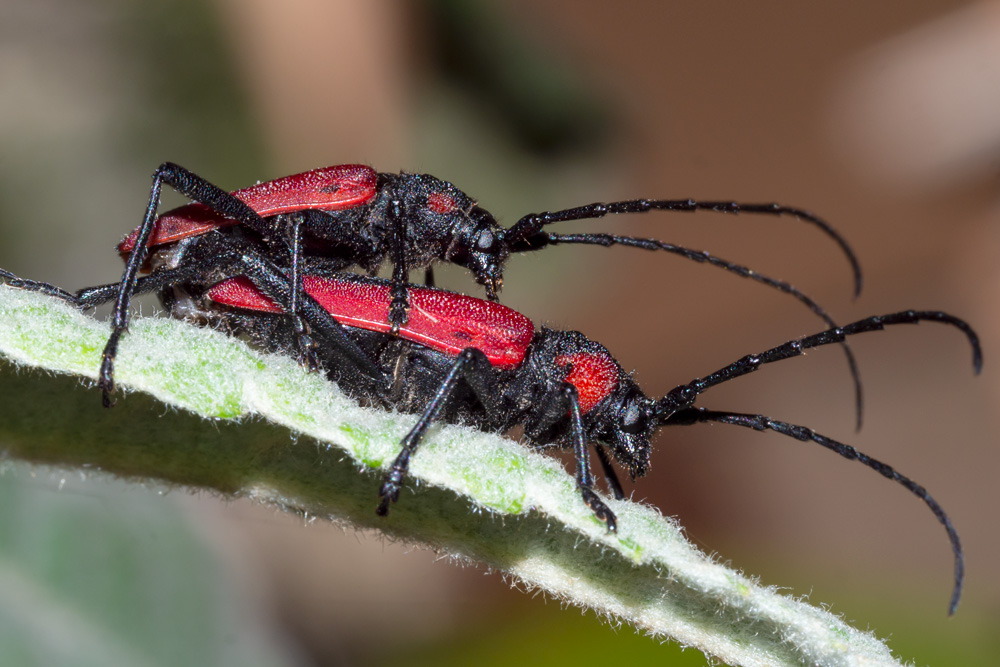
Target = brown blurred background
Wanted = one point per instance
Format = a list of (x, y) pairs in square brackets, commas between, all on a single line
[(882, 117)]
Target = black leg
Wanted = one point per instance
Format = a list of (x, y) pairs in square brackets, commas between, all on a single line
[(230, 258), (119, 318), (550, 411), (470, 366), (272, 281), (35, 286), (520, 235), (197, 189), (400, 269), (306, 345), (684, 395), (610, 476), (429, 276), (584, 477), (225, 256), (91, 297), (761, 423)]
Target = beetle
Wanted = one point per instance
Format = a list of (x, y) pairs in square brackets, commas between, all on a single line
[(460, 359), (463, 359), (351, 215)]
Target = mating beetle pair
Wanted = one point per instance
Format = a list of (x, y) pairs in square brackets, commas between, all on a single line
[(349, 215), (445, 356)]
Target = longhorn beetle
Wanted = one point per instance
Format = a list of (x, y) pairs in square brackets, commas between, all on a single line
[(459, 359), (350, 215)]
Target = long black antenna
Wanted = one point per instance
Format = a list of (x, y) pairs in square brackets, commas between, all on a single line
[(518, 236), (693, 415), (703, 257), (683, 396)]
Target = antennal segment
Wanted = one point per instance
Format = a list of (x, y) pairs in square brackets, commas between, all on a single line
[(519, 235), (683, 396), (606, 240)]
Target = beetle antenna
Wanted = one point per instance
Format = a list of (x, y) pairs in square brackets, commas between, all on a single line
[(519, 236), (694, 415), (683, 396), (607, 240)]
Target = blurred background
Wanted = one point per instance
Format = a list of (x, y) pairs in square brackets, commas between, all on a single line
[(882, 117)]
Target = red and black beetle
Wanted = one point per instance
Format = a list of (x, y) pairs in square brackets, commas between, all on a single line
[(350, 215), (459, 359)]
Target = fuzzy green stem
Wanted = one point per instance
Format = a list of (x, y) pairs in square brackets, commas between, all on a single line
[(471, 494)]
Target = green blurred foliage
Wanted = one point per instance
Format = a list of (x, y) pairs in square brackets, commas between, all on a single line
[(543, 635), (101, 572), (193, 108)]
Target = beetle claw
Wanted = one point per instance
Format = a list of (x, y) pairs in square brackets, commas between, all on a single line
[(106, 381), (601, 511)]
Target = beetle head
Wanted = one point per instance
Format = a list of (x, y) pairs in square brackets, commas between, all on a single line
[(480, 246), (450, 226), (625, 424)]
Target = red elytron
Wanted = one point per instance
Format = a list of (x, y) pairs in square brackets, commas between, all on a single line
[(440, 320), (329, 189)]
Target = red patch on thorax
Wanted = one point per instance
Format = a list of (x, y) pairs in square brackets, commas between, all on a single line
[(438, 202), (595, 376)]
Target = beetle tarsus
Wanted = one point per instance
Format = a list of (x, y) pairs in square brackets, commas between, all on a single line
[(601, 511), (106, 381), (398, 308), (389, 492), (306, 345)]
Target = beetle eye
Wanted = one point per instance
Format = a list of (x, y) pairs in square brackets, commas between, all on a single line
[(485, 240), (633, 421)]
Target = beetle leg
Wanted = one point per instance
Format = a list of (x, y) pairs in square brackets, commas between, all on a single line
[(470, 366), (91, 297), (273, 282), (196, 188), (552, 410), (610, 476), (230, 256), (400, 269), (303, 336), (584, 477), (35, 286)]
